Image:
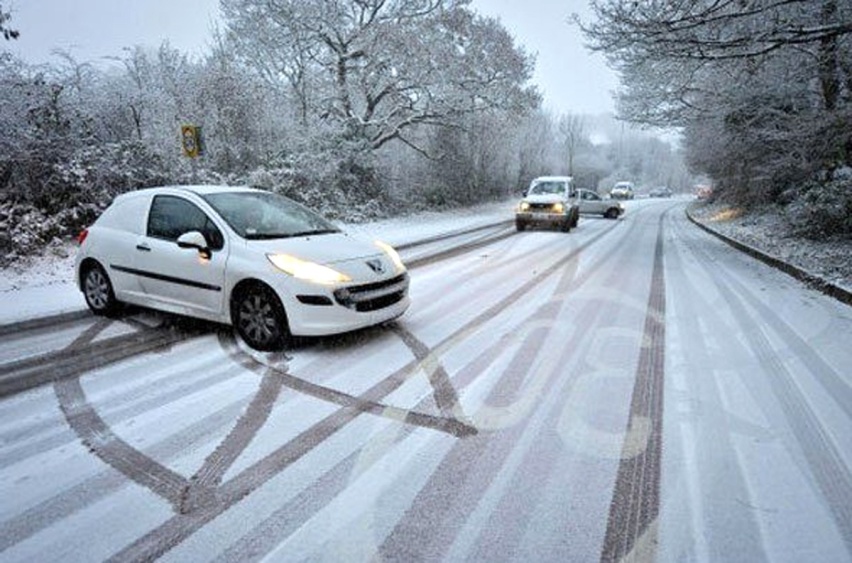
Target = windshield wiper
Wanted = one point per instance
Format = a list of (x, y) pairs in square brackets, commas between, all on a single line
[(315, 232), (270, 236)]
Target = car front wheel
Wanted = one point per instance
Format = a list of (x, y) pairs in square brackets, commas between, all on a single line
[(259, 318), (98, 291), (611, 213)]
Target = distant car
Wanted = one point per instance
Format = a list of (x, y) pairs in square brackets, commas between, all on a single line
[(622, 190), (239, 256), (592, 203), (662, 191), (550, 201)]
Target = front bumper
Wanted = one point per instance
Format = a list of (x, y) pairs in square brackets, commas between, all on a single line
[(541, 217), (316, 310)]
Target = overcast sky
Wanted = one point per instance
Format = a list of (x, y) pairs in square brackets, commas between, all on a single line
[(572, 79)]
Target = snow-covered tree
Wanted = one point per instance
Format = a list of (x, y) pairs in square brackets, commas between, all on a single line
[(8, 33), (761, 87), (379, 68)]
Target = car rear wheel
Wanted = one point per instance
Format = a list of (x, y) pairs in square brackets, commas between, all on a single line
[(97, 289), (259, 318)]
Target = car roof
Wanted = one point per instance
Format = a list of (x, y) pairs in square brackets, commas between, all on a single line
[(200, 189), (553, 179)]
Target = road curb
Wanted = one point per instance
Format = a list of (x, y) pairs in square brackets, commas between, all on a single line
[(812, 280)]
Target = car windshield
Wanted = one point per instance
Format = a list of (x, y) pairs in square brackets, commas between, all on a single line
[(265, 215), (548, 187)]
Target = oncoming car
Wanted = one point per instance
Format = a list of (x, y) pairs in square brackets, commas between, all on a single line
[(622, 190), (239, 256), (549, 201)]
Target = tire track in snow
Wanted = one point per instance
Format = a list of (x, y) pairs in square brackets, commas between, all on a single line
[(635, 507), (825, 463), (457, 488)]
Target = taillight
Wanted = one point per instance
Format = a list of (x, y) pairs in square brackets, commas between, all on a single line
[(82, 236)]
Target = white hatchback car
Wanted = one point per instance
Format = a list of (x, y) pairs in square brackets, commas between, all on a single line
[(239, 256)]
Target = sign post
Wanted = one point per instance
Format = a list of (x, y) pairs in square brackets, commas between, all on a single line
[(190, 138)]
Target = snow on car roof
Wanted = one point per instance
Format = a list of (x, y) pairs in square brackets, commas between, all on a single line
[(200, 189), (553, 179)]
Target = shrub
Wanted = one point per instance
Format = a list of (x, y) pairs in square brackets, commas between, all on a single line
[(824, 209)]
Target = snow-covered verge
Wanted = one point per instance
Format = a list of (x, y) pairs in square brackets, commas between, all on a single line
[(769, 230)]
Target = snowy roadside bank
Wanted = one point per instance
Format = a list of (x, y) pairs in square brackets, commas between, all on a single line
[(826, 265)]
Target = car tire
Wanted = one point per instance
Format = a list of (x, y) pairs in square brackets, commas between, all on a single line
[(98, 291), (566, 225), (611, 213), (520, 226), (259, 318)]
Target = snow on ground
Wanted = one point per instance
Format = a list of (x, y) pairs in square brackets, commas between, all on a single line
[(769, 231), (44, 285)]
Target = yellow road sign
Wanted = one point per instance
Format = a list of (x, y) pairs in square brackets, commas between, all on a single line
[(190, 137)]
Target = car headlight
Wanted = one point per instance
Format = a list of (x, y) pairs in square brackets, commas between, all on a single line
[(524, 206), (392, 254), (304, 270), (558, 208)]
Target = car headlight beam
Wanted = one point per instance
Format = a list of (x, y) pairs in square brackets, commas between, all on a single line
[(305, 270)]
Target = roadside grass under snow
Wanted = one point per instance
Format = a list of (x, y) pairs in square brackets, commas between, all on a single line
[(770, 231)]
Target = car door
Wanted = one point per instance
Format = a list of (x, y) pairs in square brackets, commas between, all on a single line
[(181, 279), (590, 202)]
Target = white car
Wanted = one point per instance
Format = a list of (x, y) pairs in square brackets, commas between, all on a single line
[(239, 256), (592, 203), (549, 201), (622, 190)]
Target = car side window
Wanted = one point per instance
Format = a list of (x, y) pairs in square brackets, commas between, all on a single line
[(172, 216)]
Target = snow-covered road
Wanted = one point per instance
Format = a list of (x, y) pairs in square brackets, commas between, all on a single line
[(633, 388)]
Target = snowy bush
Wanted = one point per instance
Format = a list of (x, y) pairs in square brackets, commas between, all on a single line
[(824, 209), (334, 177), (26, 230)]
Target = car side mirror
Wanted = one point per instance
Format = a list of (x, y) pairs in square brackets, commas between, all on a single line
[(194, 239)]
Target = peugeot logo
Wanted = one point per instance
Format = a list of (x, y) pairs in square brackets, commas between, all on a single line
[(376, 266)]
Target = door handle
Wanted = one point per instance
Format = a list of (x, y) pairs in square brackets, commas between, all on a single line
[(143, 247)]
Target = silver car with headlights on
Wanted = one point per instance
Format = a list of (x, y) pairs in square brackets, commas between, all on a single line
[(550, 201)]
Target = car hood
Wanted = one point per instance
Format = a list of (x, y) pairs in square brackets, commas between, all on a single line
[(327, 249), (544, 198)]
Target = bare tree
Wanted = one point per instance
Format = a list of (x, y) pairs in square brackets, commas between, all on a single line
[(8, 33), (758, 84), (572, 129), (378, 68)]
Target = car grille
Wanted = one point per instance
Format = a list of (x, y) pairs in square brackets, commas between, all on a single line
[(373, 296), (541, 207)]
